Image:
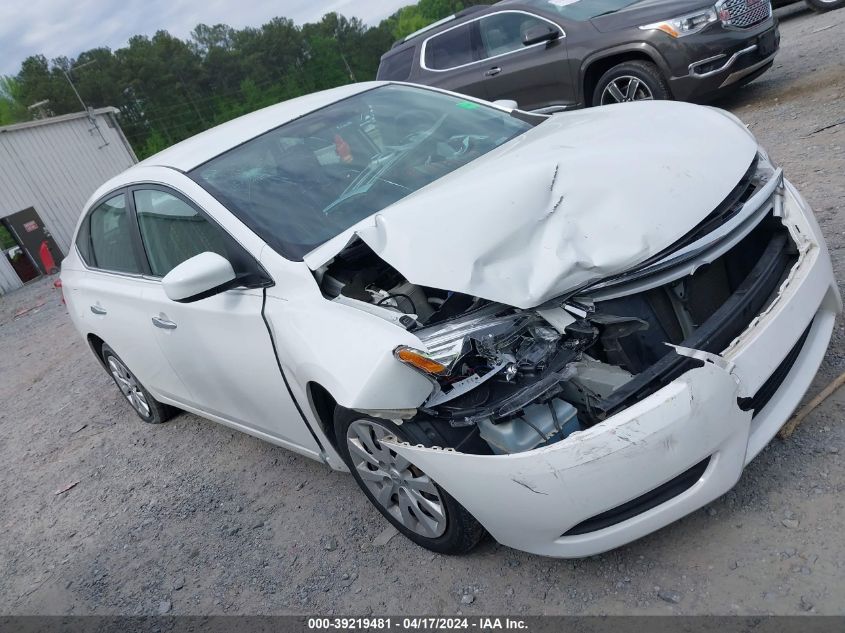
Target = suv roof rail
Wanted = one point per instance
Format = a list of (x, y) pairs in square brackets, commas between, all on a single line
[(446, 20)]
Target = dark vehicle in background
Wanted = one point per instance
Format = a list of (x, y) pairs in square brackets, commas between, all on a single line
[(551, 55), (816, 5)]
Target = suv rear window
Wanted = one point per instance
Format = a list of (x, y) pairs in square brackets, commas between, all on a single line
[(396, 67), (449, 49)]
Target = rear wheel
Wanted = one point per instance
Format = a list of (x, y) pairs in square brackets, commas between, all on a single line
[(148, 408), (631, 81), (404, 494), (825, 5)]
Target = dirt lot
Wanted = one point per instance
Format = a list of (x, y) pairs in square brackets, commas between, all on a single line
[(190, 517)]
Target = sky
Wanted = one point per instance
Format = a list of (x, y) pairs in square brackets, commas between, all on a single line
[(68, 27)]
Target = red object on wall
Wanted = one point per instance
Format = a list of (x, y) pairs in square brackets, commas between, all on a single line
[(47, 258)]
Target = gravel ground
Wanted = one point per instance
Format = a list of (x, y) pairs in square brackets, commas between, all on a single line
[(191, 517)]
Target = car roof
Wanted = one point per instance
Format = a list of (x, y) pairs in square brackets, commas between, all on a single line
[(206, 145)]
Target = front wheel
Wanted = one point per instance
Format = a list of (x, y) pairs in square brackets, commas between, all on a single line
[(821, 6), (405, 495), (142, 402), (631, 81)]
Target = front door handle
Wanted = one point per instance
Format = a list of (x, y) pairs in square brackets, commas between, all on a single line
[(164, 324), (98, 310), (493, 72)]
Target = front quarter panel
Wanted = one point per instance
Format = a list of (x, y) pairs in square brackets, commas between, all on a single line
[(345, 350)]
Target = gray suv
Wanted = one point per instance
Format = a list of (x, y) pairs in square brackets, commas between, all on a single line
[(551, 55)]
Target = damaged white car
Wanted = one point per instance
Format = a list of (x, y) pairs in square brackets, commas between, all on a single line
[(566, 331)]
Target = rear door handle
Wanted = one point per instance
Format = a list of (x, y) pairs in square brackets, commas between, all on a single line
[(493, 71), (164, 324), (98, 310)]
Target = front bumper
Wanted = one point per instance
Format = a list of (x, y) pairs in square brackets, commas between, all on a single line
[(547, 501), (719, 63)]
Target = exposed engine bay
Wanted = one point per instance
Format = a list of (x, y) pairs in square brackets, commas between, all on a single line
[(507, 380)]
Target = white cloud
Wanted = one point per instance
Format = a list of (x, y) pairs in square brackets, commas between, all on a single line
[(57, 27)]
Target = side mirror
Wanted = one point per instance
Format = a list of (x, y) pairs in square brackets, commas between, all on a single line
[(199, 277), (507, 104), (537, 34)]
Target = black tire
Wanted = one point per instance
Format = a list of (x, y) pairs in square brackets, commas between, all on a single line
[(462, 532), (645, 72), (819, 6), (157, 412)]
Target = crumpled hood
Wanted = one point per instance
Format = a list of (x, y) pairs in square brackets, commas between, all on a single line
[(583, 196)]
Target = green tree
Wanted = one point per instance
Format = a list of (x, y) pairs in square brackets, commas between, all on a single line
[(168, 89), (410, 20), (12, 109)]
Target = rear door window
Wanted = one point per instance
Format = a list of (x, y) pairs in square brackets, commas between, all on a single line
[(502, 33), (83, 241), (451, 48), (110, 234)]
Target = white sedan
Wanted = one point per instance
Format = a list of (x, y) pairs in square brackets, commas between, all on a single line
[(564, 331)]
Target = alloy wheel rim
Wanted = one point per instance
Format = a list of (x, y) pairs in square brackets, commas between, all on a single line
[(399, 487), (129, 387), (624, 89)]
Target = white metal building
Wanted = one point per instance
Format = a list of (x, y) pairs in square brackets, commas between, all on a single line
[(48, 169)]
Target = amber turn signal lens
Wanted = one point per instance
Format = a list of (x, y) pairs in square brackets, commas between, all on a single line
[(668, 29), (419, 360)]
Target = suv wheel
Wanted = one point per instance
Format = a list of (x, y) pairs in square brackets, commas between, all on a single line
[(404, 494), (631, 81), (825, 5), (148, 408)]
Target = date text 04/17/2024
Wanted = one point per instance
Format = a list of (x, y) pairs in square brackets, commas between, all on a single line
[(417, 623)]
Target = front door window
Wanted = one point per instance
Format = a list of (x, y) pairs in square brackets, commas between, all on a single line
[(502, 33), (173, 231)]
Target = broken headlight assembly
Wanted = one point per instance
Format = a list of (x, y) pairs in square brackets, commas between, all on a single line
[(501, 370)]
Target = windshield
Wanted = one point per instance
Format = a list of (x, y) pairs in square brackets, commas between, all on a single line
[(581, 10), (303, 183)]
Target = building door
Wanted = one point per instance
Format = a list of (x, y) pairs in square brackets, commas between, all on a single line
[(34, 238), (17, 257)]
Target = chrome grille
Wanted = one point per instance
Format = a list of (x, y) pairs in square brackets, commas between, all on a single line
[(743, 13)]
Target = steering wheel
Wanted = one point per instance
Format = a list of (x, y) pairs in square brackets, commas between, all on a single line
[(460, 144), (414, 122)]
